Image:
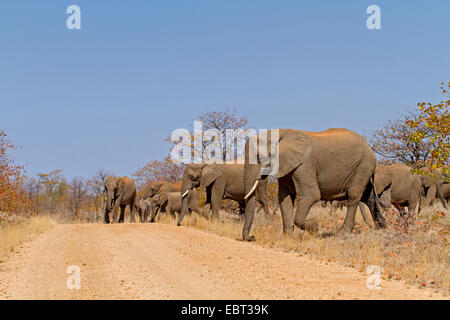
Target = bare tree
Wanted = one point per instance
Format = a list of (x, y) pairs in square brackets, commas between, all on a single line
[(221, 136), (393, 144), (77, 193), (54, 185), (32, 189), (159, 170), (229, 126), (96, 185)]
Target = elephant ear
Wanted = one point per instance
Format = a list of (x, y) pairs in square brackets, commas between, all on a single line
[(157, 185), (210, 173), (163, 197), (295, 147), (120, 184)]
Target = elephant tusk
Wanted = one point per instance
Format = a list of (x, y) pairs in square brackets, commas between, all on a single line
[(253, 189), (184, 194)]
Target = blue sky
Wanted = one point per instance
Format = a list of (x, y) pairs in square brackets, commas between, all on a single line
[(107, 96)]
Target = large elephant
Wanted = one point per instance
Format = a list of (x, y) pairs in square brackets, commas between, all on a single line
[(144, 208), (397, 185), (221, 181), (120, 191), (336, 164), (433, 188)]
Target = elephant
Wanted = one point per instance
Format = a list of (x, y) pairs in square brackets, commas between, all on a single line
[(120, 191), (397, 185), (221, 181), (434, 188), (170, 202), (144, 208), (335, 164), (159, 204)]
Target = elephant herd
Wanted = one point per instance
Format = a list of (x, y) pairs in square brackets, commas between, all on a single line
[(336, 165)]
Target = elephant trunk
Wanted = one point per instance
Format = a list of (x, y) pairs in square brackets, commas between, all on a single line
[(109, 201), (377, 206), (185, 188), (153, 211), (251, 179)]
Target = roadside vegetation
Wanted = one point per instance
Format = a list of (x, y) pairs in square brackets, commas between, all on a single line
[(18, 231)]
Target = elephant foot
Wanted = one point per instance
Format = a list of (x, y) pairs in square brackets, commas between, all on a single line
[(312, 226), (344, 230), (380, 225), (250, 238)]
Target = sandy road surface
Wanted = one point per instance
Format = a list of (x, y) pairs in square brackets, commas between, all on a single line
[(157, 261)]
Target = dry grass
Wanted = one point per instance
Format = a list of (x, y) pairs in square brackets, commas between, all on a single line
[(13, 234), (416, 252)]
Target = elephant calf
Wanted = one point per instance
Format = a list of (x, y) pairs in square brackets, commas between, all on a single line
[(144, 208), (174, 202), (170, 202), (396, 185)]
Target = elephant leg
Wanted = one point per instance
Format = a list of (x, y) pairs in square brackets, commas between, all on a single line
[(265, 206), (133, 210), (155, 214), (241, 210), (307, 193), (286, 207), (170, 210), (400, 209), (333, 207), (206, 210), (349, 222), (122, 214), (304, 204), (370, 200), (412, 205), (217, 192), (261, 196), (106, 217), (355, 193), (116, 210), (364, 214)]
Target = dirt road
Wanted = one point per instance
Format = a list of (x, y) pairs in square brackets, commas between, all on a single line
[(157, 261)]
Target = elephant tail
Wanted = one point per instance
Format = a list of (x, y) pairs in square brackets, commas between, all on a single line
[(378, 204), (421, 195)]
